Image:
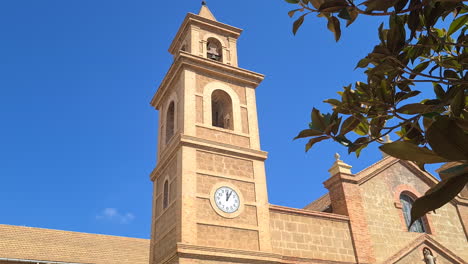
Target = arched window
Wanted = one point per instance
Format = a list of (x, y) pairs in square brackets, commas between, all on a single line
[(406, 204), (166, 194), (221, 110), (170, 122), (214, 49)]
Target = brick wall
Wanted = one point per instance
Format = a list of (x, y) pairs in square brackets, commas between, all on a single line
[(224, 164), (225, 136), (311, 237), (387, 229), (226, 237)]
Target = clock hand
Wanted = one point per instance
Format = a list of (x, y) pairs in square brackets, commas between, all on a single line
[(228, 195)]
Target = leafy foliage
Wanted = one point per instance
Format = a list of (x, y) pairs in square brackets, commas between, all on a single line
[(413, 50)]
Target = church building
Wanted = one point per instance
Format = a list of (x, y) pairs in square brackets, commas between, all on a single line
[(210, 201)]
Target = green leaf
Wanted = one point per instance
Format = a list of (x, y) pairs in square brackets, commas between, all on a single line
[(362, 129), (333, 6), (457, 24), (363, 63), (447, 139), (309, 133), (412, 109), (292, 1), (438, 195), (292, 12), (334, 26), (400, 4), (297, 24), (312, 141), (408, 151), (333, 102)]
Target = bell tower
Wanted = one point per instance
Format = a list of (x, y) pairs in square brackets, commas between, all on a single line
[(209, 194)]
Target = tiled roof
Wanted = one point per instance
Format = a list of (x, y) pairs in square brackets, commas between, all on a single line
[(320, 205), (28, 243)]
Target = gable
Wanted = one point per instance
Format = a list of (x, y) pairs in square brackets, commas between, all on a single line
[(413, 253)]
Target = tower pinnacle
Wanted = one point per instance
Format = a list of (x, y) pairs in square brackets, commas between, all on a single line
[(205, 12)]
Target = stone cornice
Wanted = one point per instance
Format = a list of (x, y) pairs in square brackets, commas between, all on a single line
[(187, 60), (192, 19), (223, 254), (180, 140), (303, 212)]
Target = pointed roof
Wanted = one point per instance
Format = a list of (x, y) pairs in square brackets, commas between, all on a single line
[(205, 12)]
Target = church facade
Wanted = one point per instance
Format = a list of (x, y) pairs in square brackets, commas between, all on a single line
[(210, 202)]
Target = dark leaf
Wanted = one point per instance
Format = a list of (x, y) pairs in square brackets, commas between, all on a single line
[(292, 1), (309, 133), (449, 74), (333, 6), (439, 91), (312, 141), (344, 14), (292, 12), (297, 24), (334, 26), (411, 109), (318, 121), (400, 4), (447, 139), (438, 195), (353, 14), (458, 103), (349, 124), (408, 151)]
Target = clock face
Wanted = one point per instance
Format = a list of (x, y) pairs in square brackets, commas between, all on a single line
[(226, 199)]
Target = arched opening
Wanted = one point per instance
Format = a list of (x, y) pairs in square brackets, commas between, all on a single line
[(170, 122), (214, 50), (221, 110), (406, 205), (166, 194)]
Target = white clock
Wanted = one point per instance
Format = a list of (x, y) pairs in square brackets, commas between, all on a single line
[(227, 199)]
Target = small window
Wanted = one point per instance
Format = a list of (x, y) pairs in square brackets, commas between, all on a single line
[(221, 110), (170, 122), (213, 50), (166, 194), (407, 203)]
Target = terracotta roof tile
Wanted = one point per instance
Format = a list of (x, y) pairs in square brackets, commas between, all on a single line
[(18, 242)]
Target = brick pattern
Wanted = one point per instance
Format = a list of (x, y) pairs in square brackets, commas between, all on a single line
[(224, 164), (311, 237), (18, 242), (320, 204), (222, 137), (164, 246), (245, 120), (203, 80), (205, 213), (226, 237), (387, 230), (205, 183), (165, 222)]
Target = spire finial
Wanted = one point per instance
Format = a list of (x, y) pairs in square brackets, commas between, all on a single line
[(203, 2), (337, 156)]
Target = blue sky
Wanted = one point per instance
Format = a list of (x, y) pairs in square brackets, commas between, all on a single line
[(78, 136)]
